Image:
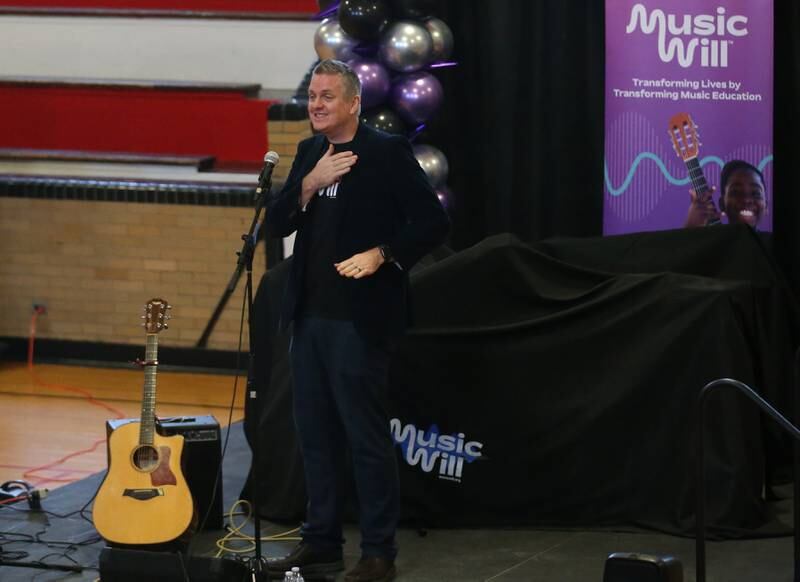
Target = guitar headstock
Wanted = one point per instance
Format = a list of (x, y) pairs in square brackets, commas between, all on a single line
[(685, 139), (156, 315)]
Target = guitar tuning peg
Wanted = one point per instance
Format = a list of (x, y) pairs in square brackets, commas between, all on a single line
[(166, 326), (169, 306), (143, 325)]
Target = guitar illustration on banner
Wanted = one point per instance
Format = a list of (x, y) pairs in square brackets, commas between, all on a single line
[(144, 498), (685, 140)]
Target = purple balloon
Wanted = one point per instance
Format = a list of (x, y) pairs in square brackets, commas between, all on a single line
[(416, 97), (375, 81), (445, 196), (366, 50)]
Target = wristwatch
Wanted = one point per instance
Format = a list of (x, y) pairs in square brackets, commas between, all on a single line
[(386, 253)]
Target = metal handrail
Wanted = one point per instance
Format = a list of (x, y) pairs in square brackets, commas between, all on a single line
[(700, 526), (796, 458)]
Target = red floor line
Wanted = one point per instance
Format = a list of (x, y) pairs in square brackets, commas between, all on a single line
[(28, 468)]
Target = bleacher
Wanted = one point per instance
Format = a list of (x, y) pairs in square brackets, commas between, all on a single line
[(178, 142)]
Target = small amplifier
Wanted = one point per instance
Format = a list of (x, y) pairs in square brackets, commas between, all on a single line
[(202, 453), (632, 567)]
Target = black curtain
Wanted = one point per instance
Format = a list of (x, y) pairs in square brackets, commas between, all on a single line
[(787, 144), (522, 123)]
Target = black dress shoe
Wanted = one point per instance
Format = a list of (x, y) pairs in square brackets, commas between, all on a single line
[(311, 561), (372, 569)]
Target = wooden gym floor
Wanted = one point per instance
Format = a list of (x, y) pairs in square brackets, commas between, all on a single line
[(52, 417), (40, 424)]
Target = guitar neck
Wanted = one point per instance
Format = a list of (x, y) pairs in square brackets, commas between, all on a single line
[(699, 184), (148, 417)]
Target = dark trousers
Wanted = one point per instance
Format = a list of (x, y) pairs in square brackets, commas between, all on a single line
[(340, 398)]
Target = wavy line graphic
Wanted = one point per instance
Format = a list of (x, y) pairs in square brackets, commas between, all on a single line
[(670, 178)]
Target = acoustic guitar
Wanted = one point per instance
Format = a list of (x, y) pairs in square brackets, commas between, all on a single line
[(685, 140), (144, 498)]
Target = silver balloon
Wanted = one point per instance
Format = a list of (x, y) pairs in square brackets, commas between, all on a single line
[(442, 39), (331, 42), (406, 46), (433, 162)]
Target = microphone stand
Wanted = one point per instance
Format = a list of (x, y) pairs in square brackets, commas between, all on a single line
[(264, 183), (257, 564)]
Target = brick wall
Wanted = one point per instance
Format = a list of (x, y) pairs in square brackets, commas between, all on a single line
[(95, 264), (283, 138)]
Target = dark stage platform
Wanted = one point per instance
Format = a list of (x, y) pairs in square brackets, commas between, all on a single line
[(517, 554), (554, 384)]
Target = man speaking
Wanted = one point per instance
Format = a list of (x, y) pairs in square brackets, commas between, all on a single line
[(364, 214)]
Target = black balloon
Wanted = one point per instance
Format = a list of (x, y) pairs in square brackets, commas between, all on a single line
[(363, 19), (418, 9), (384, 119)]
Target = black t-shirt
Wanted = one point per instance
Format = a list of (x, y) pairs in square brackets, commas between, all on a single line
[(324, 291)]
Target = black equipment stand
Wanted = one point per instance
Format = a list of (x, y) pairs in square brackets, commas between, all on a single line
[(248, 247), (257, 565)]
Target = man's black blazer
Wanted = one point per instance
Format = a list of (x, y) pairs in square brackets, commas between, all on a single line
[(385, 199)]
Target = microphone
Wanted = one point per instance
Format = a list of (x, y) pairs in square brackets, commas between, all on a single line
[(271, 160)]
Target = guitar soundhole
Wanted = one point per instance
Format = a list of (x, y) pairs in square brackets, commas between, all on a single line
[(145, 458)]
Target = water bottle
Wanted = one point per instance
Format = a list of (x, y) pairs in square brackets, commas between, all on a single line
[(296, 575), (288, 576)]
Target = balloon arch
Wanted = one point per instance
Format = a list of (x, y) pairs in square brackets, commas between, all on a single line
[(393, 46)]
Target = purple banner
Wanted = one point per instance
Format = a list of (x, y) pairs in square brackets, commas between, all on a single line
[(688, 89)]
